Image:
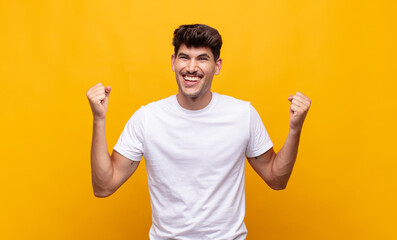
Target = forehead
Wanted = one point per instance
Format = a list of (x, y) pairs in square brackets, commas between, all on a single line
[(195, 51)]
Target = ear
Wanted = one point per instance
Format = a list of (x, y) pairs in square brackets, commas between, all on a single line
[(173, 62), (218, 66)]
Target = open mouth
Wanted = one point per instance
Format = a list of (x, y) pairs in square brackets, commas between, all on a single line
[(191, 80)]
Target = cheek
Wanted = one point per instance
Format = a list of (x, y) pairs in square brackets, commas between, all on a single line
[(209, 70), (178, 67), (205, 68)]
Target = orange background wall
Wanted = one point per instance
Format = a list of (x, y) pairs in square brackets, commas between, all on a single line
[(340, 53)]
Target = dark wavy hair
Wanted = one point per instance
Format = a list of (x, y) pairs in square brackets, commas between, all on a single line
[(198, 35)]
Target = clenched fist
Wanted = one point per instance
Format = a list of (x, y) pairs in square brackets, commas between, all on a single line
[(98, 96), (300, 105)]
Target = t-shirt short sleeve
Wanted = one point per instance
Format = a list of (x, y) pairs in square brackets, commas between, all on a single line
[(131, 140), (259, 141)]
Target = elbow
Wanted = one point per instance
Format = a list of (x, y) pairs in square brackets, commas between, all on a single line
[(102, 188), (102, 193), (278, 187), (279, 182)]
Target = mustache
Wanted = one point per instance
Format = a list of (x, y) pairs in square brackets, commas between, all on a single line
[(192, 74)]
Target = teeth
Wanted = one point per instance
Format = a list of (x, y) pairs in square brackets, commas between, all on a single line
[(191, 78)]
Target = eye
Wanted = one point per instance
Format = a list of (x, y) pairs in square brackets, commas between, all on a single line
[(203, 59)]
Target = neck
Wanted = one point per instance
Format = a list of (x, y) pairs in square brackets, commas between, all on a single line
[(195, 103)]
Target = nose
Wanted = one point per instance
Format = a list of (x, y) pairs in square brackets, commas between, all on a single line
[(191, 66)]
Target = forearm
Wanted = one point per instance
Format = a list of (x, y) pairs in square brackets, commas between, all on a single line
[(274, 168), (285, 159), (101, 163)]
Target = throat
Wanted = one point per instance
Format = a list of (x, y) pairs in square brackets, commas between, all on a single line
[(194, 103)]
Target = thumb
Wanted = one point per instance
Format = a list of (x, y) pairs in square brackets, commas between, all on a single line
[(290, 98), (107, 91)]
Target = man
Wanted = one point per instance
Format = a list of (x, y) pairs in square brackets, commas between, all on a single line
[(195, 144)]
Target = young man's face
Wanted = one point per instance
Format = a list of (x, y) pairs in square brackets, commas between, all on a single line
[(194, 69)]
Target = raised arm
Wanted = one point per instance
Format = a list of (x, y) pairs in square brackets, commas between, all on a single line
[(276, 168), (108, 172)]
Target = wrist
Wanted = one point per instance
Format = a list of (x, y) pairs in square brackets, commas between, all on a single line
[(99, 120), (295, 130)]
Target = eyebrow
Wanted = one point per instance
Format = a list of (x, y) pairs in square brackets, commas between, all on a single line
[(182, 54), (201, 55), (204, 55)]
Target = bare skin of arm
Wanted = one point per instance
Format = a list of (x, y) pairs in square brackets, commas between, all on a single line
[(108, 172), (276, 168)]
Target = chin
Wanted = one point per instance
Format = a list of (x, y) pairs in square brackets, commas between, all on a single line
[(192, 94)]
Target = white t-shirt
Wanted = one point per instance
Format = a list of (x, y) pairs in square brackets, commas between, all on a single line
[(195, 164)]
